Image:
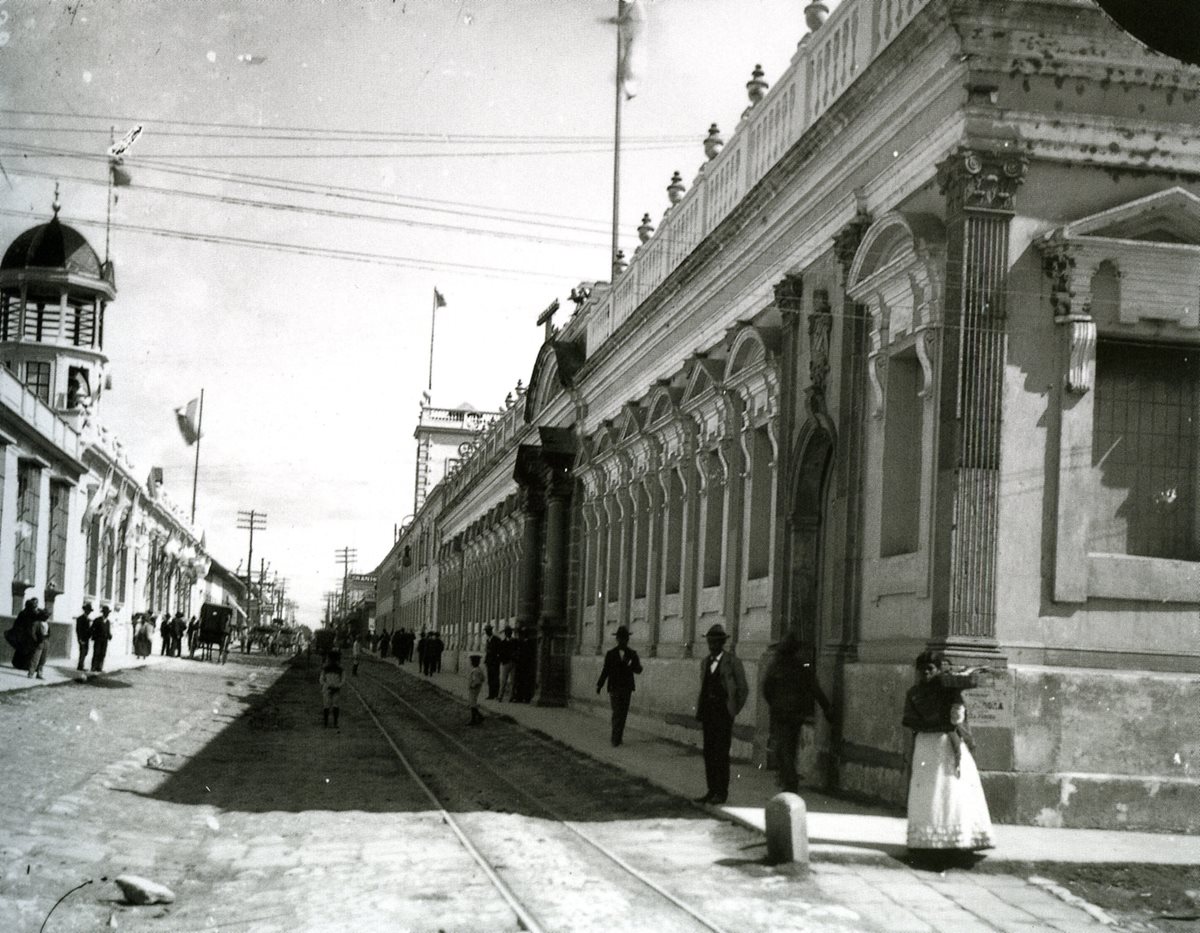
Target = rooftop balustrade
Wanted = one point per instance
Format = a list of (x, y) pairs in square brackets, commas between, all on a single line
[(826, 63)]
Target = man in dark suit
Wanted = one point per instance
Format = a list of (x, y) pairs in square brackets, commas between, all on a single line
[(723, 693), (491, 661), (620, 664)]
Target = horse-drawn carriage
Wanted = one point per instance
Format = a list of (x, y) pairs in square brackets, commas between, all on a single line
[(216, 630)]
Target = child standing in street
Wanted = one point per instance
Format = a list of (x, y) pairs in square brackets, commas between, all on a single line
[(331, 685), (475, 681)]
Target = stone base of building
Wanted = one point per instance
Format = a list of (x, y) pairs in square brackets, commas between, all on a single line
[(1071, 747)]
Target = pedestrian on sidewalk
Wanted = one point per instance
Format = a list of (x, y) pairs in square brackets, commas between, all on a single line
[(101, 636), (723, 693), (354, 652), (83, 633), (331, 685), (508, 659), (620, 664), (193, 633), (41, 643), (491, 660), (436, 647), (791, 690), (423, 653), (21, 635), (475, 679), (947, 811), (525, 668), (143, 632)]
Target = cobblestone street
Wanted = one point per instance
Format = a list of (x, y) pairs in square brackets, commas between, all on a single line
[(220, 782)]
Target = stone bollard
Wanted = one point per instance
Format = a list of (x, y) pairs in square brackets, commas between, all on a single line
[(787, 829)]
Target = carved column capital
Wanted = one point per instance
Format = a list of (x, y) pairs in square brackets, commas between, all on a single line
[(789, 293), (978, 179)]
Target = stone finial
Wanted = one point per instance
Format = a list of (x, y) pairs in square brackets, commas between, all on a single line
[(645, 229), (508, 401), (815, 15), (713, 143), (676, 188), (619, 263), (520, 389), (756, 87), (55, 206)]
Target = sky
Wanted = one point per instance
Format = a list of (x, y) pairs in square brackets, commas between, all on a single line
[(463, 145)]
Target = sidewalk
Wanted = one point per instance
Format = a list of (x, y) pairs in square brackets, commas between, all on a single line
[(835, 826), (63, 670)]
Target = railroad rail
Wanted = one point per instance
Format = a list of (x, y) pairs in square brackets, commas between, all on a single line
[(526, 916)]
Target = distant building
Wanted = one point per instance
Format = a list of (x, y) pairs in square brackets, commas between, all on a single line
[(445, 436), (77, 520), (914, 362)]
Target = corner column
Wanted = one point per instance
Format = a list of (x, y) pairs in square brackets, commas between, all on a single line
[(980, 189)]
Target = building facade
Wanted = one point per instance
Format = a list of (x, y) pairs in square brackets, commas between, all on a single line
[(913, 362), (76, 522)]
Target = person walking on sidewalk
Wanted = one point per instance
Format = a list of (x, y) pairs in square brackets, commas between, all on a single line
[(620, 664), (331, 685), (101, 635), (21, 636), (475, 679), (723, 693), (491, 660), (791, 690), (41, 644), (947, 812), (83, 633)]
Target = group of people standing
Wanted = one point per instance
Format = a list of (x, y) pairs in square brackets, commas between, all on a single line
[(29, 638), (510, 664), (96, 631)]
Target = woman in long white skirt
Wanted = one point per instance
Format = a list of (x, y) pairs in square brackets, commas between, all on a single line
[(947, 811)]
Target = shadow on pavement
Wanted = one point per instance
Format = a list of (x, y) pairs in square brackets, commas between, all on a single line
[(277, 756)]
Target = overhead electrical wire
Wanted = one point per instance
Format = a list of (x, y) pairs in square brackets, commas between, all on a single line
[(382, 259), (324, 211), (324, 189), (427, 135)]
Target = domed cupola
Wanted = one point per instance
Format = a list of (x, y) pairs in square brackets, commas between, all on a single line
[(54, 292)]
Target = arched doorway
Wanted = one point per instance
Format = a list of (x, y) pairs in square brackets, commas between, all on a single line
[(807, 514)]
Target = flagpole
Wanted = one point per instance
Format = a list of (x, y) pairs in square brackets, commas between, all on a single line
[(616, 152), (432, 324), (196, 468)]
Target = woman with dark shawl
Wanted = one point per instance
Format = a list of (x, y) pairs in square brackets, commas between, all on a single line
[(22, 635), (946, 807)]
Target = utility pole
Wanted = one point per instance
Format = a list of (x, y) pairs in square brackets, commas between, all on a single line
[(346, 557), (251, 521)]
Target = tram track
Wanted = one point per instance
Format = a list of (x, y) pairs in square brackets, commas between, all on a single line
[(601, 877)]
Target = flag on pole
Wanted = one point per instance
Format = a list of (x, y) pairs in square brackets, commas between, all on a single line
[(187, 417), (631, 25), (438, 300)]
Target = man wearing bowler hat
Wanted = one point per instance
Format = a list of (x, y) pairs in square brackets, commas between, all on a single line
[(723, 693), (620, 664)]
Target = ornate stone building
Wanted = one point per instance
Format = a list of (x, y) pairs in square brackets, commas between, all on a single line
[(76, 521), (915, 362)]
